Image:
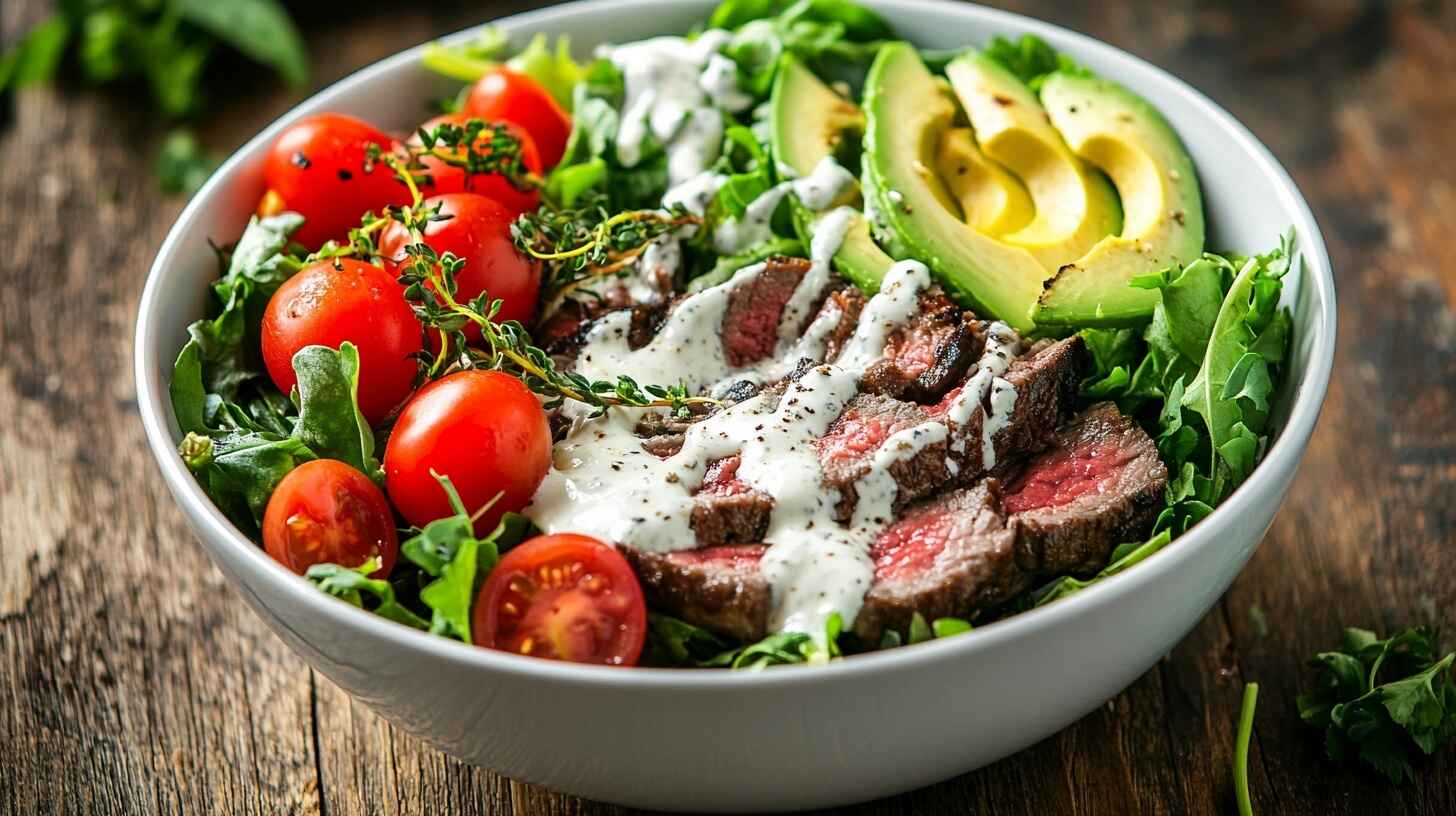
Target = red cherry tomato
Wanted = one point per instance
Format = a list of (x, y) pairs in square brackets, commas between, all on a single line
[(483, 429), (479, 231), (563, 597), (332, 301), (320, 168), (447, 178), (325, 512), (503, 95)]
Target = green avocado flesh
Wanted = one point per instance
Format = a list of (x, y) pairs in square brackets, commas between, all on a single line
[(907, 113), (1120, 133), (1075, 206), (809, 121)]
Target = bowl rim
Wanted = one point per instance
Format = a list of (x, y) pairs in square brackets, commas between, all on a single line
[(215, 531)]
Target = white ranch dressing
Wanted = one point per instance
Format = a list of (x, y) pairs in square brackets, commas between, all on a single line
[(987, 380), (896, 303), (696, 193), (674, 89), (816, 191)]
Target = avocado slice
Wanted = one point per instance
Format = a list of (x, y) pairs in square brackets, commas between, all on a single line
[(991, 199), (1075, 205), (809, 121), (906, 116), (1121, 133)]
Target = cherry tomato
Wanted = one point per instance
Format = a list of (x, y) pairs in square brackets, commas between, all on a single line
[(331, 301), (479, 231), (320, 168), (563, 597), (446, 178), (503, 95), (325, 512), (483, 429)]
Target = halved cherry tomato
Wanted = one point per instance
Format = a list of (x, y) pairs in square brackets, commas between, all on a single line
[(503, 95), (478, 230), (447, 178), (483, 429), (329, 302), (325, 512), (320, 168), (564, 597)]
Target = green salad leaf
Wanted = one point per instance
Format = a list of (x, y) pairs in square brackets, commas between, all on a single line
[(1031, 59), (551, 66), (329, 421), (240, 469), (448, 551), (837, 38), (1123, 557), (353, 584), (1377, 699), (673, 642)]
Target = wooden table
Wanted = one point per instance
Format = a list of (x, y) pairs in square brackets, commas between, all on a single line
[(132, 680)]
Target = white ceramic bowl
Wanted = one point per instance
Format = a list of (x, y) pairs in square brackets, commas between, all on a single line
[(861, 728)]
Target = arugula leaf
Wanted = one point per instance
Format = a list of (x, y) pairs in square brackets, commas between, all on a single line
[(553, 68), (37, 56), (1376, 698), (1125, 556), (240, 470), (949, 627), (259, 29), (784, 648), (1031, 59), (351, 584), (329, 421), (837, 39), (447, 550), (672, 642)]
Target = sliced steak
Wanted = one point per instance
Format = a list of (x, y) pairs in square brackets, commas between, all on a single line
[(948, 556), (750, 329), (847, 451), (1099, 484), (717, 588), (1046, 392), (929, 355), (728, 510)]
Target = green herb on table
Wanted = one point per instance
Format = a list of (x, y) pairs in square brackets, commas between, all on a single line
[(1382, 700)]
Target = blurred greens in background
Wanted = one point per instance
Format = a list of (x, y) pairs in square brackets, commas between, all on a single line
[(162, 46)]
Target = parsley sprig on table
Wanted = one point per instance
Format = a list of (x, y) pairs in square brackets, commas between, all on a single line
[(1378, 699)]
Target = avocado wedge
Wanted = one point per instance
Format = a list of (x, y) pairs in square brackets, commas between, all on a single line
[(1075, 205), (1129, 140), (991, 199), (809, 121), (906, 116)]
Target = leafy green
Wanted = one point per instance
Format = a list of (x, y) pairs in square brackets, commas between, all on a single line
[(259, 29), (182, 165), (949, 627), (240, 469), (672, 642), (784, 648), (37, 56), (919, 631), (329, 421), (837, 39), (1031, 59), (1125, 556), (351, 584), (1375, 699), (1241, 749), (447, 550), (552, 67)]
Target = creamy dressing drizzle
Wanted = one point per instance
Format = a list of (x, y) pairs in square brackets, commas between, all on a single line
[(897, 302), (816, 191), (675, 93), (986, 380)]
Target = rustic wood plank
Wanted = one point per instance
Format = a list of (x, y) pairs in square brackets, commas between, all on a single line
[(125, 689)]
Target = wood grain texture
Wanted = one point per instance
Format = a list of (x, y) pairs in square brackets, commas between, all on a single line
[(133, 681)]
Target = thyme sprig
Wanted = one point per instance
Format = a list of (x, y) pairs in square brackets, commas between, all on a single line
[(581, 245), (431, 289)]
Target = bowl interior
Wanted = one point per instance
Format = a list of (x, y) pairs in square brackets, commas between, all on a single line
[(1249, 199)]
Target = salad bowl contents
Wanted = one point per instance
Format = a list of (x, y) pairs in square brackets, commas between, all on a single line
[(785, 340)]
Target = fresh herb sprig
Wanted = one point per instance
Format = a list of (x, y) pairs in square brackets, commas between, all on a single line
[(430, 287), (1378, 699)]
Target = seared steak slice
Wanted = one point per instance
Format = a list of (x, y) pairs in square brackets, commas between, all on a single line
[(750, 328), (847, 451), (1101, 483), (717, 588), (929, 355), (728, 510), (949, 556)]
